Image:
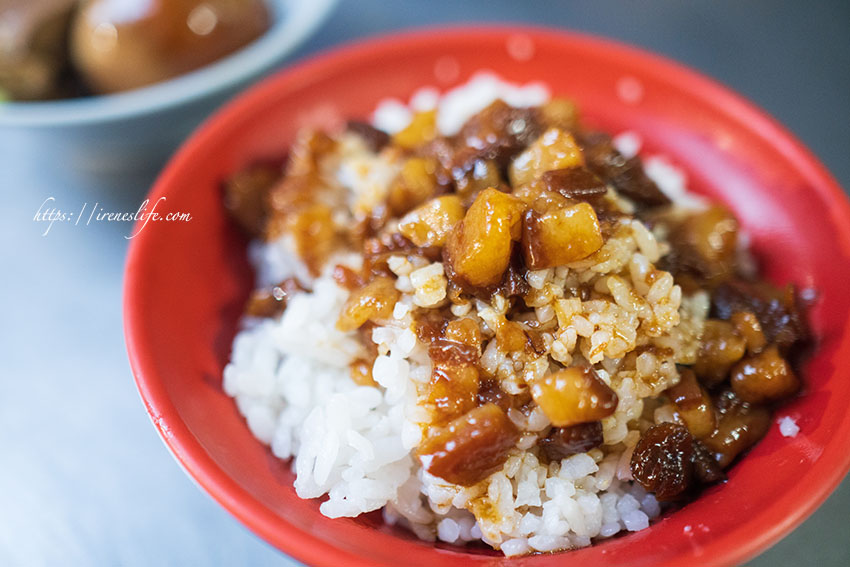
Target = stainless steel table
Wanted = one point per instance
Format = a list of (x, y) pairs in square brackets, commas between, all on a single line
[(84, 480)]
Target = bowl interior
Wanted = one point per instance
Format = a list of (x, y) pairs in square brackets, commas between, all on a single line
[(186, 283)]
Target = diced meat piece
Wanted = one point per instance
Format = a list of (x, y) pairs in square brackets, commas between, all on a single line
[(307, 151), (442, 150), (538, 197), (693, 404), (740, 426), (446, 351), (415, 184), (430, 224), (375, 139), (706, 468), (430, 324), (471, 447), (478, 250), (705, 244), (747, 325), (662, 461), (720, 348), (560, 237), (554, 149), (245, 196), (497, 133), (475, 176), (378, 250), (535, 342), (560, 113), (763, 378), (294, 206), (562, 442), (465, 332), (513, 337), (347, 278), (574, 395), (313, 230), (453, 390), (575, 183), (271, 302), (467, 168), (360, 371), (626, 175), (490, 392), (454, 351), (372, 302), (777, 310), (513, 283), (421, 130)]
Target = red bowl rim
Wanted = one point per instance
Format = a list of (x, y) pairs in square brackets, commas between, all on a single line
[(301, 544)]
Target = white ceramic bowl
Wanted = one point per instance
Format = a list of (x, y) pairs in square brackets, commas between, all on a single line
[(103, 137)]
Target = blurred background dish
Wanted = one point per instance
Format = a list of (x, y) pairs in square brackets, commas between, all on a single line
[(54, 49), (118, 46), (33, 48), (126, 80)]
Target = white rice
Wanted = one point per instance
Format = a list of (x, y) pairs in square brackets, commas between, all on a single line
[(457, 105), (672, 182), (290, 379), (788, 427)]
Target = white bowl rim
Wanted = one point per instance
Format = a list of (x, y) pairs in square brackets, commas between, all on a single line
[(293, 22)]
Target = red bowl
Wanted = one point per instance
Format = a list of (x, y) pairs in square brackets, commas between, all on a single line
[(186, 282)]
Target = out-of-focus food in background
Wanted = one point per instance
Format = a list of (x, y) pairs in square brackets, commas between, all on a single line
[(118, 48), (63, 48), (33, 54)]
